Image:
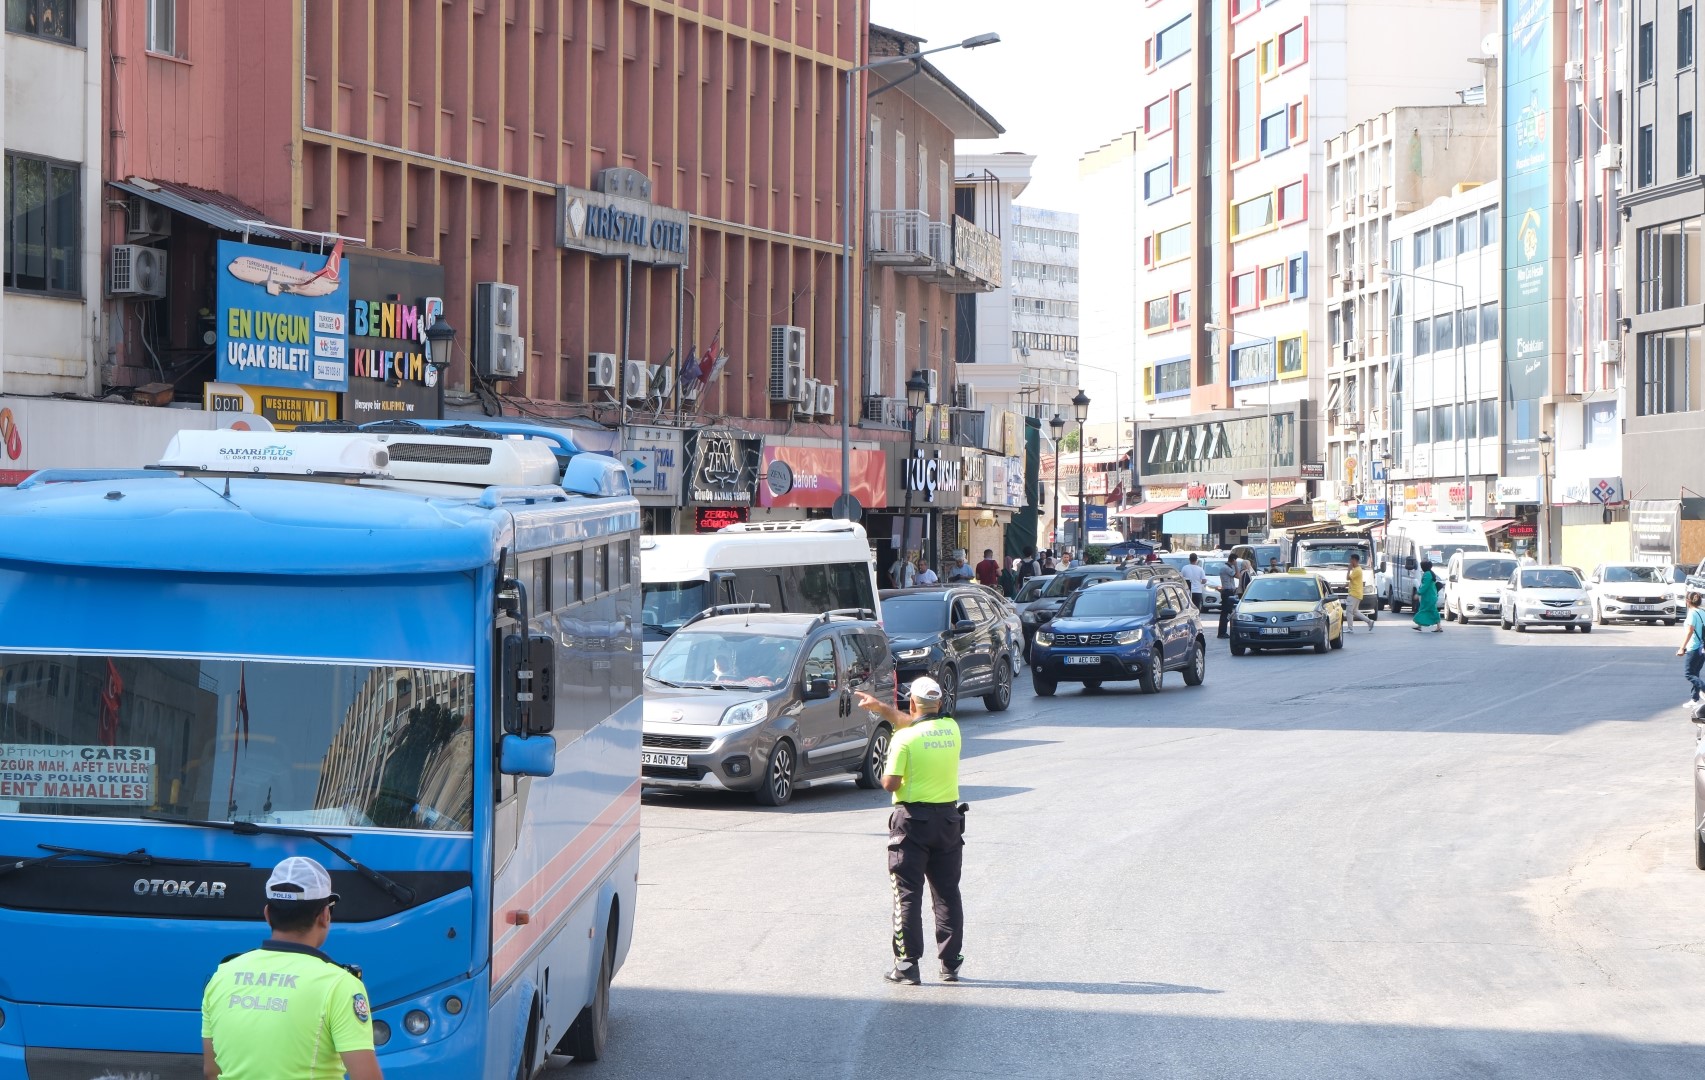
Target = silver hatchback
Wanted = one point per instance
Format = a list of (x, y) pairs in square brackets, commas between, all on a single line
[(763, 703)]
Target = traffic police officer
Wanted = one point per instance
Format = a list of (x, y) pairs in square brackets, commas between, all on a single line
[(287, 1011), (926, 830)]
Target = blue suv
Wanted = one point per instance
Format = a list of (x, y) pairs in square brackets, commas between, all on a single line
[(1121, 630)]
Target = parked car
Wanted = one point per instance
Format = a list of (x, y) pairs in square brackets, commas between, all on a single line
[(1637, 592), (763, 702), (1014, 625), (1054, 596), (1676, 574), (957, 635), (1118, 631), (1287, 611), (1546, 596), (1473, 584), (1031, 590)]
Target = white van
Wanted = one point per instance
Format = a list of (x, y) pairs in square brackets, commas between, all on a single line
[(1408, 541), (1474, 584), (806, 567)]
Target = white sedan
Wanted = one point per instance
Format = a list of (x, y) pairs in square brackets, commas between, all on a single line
[(1625, 590), (1546, 596)]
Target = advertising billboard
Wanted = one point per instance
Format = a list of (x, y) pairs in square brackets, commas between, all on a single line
[(282, 317), (1529, 129)]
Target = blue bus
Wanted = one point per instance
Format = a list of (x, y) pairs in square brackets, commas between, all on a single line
[(409, 651)]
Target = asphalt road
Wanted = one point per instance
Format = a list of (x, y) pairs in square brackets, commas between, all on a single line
[(1464, 854)]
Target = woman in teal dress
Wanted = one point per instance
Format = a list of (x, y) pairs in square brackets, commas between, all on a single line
[(1427, 600)]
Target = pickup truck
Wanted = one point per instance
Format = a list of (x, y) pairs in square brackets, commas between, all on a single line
[(1329, 557)]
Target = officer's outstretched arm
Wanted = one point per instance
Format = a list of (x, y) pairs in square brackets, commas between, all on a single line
[(361, 1065), (881, 708)]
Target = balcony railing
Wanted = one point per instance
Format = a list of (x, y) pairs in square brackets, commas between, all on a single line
[(956, 255)]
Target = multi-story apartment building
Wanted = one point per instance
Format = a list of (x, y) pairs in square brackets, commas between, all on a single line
[(1444, 397), (1386, 166), (1664, 280), (1025, 342), (1227, 179), (1565, 77)]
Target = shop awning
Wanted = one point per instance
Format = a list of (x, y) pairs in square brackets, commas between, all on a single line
[(1495, 524), (1252, 506), (1149, 509), (212, 207)]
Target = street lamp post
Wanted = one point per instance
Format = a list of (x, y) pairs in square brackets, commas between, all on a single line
[(916, 60), (1545, 444), (917, 388), (1461, 362), (440, 337), (1081, 404), (1272, 377), (1058, 426)]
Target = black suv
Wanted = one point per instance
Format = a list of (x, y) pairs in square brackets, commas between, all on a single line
[(955, 634)]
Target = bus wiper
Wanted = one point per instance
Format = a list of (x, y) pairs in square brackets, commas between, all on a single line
[(139, 857), (402, 894), (659, 627)]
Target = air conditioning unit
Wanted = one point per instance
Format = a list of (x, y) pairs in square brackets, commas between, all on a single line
[(1609, 157), (874, 408), (147, 220), (894, 412), (1361, 274), (807, 401), (136, 271), (1573, 71), (1346, 281), (932, 380), (662, 381), (826, 399), (496, 320), (690, 391), (1352, 349), (602, 372), (787, 363), (637, 375), (1608, 352), (964, 396)]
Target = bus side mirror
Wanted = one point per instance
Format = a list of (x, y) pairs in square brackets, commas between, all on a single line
[(521, 756), (529, 684)]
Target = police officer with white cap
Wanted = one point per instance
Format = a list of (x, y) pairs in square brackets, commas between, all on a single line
[(926, 829), (287, 1011)]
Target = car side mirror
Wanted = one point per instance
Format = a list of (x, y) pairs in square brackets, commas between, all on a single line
[(1167, 613), (818, 689), (964, 626)]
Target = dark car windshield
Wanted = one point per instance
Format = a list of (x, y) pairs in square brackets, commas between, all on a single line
[(915, 615), (719, 658), (1549, 579), (1110, 602), (1031, 589), (668, 604), (1336, 555), (1066, 584), (1646, 575), (1282, 587), (1678, 573), (1487, 569)]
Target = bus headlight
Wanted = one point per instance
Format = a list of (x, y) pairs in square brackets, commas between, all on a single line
[(747, 712), (453, 1005), (416, 1022), (381, 1033)]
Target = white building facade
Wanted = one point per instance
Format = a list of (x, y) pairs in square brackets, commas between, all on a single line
[(50, 332)]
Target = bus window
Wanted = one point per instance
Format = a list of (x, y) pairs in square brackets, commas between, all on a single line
[(599, 557), (760, 587)]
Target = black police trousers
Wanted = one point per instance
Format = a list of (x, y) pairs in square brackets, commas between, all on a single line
[(926, 843)]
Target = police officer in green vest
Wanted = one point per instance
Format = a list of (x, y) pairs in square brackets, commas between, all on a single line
[(287, 1011), (926, 830)]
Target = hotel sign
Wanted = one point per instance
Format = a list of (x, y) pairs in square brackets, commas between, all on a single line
[(628, 223)]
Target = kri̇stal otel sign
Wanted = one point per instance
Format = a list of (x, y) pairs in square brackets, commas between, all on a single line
[(608, 224)]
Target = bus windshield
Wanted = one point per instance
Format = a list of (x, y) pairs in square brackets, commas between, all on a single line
[(668, 604), (312, 744)]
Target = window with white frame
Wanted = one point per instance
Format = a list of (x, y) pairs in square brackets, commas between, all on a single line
[(163, 27)]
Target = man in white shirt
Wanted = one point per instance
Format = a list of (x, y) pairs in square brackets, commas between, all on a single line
[(1196, 578), (926, 576)]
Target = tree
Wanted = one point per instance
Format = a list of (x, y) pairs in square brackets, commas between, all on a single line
[(1069, 442)]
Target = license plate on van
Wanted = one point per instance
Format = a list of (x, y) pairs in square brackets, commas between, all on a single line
[(666, 761)]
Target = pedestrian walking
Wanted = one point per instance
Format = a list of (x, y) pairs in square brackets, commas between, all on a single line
[(926, 576), (1245, 573), (904, 572), (1048, 564), (926, 829), (1229, 593), (1693, 651), (1028, 567), (960, 570), (989, 571), (1009, 580), (1196, 578), (1427, 600), (1353, 612), (287, 1011)]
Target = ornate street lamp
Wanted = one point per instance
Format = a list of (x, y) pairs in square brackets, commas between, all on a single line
[(1058, 426), (1080, 404), (917, 389), (440, 339)]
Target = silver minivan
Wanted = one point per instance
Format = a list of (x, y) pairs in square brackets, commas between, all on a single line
[(763, 703)]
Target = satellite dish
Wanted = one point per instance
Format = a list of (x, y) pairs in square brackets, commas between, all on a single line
[(1490, 43)]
